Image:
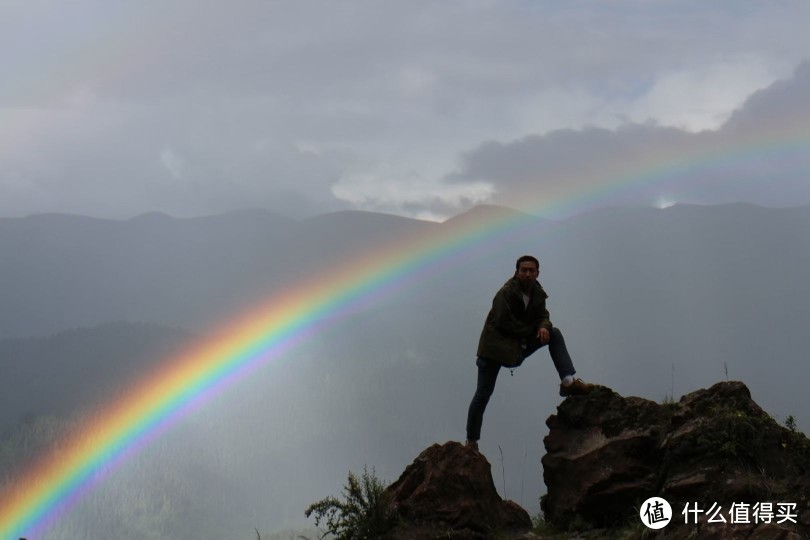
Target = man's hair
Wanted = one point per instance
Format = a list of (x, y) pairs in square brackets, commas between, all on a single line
[(526, 258)]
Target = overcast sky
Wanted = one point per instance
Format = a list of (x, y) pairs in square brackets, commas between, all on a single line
[(195, 107)]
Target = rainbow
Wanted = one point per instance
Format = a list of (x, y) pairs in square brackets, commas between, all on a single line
[(56, 482), (725, 151)]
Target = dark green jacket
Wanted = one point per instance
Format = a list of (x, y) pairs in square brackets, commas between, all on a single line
[(510, 325)]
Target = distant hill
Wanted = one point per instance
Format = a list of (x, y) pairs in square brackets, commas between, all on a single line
[(64, 271), (652, 302), (78, 369), (490, 213)]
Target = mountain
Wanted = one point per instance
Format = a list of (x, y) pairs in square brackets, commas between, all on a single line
[(490, 213), (652, 302), (63, 271), (78, 370)]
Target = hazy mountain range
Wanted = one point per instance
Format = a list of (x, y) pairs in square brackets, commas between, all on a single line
[(651, 301)]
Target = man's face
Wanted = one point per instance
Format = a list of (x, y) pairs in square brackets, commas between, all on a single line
[(527, 273)]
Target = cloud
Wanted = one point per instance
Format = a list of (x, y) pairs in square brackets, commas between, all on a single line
[(784, 103), (189, 107), (173, 162), (698, 98), (415, 196), (118, 160), (758, 155)]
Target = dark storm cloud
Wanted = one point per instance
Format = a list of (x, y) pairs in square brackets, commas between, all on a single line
[(189, 107), (759, 155)]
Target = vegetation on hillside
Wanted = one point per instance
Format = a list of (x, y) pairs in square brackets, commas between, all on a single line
[(363, 513)]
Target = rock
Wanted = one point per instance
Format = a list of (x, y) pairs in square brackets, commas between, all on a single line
[(606, 454), (449, 490)]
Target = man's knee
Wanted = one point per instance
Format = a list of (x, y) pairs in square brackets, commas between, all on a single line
[(486, 363), (556, 341)]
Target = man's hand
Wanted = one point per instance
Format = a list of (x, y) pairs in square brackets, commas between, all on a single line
[(543, 336)]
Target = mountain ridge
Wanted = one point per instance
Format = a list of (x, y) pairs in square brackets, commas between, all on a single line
[(651, 303)]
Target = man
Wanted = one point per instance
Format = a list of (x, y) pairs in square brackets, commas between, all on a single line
[(517, 325)]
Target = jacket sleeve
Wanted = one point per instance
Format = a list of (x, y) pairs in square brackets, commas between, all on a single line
[(545, 319), (505, 320)]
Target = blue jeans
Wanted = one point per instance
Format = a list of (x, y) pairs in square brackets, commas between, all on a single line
[(488, 373)]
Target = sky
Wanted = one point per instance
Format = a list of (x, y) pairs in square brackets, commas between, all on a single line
[(422, 109)]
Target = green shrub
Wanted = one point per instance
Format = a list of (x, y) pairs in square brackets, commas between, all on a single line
[(365, 512)]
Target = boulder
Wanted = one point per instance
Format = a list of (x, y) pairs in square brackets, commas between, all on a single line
[(606, 454), (448, 490)]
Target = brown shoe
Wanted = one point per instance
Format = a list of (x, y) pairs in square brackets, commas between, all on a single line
[(577, 388)]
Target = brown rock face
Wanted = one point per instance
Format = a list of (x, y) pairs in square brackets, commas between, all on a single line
[(606, 454), (449, 487)]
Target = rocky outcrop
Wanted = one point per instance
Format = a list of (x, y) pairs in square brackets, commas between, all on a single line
[(448, 492), (606, 454)]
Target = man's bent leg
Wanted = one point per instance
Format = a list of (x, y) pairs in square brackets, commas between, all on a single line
[(559, 354), (569, 386), (487, 375)]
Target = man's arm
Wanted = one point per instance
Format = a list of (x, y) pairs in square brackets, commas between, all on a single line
[(544, 327)]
